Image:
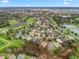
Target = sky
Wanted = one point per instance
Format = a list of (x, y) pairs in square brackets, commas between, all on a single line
[(39, 3)]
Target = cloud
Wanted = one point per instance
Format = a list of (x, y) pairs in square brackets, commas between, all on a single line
[(66, 3), (70, 0), (4, 1), (27, 5), (65, 0)]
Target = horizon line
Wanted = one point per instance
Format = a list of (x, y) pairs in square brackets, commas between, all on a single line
[(41, 6)]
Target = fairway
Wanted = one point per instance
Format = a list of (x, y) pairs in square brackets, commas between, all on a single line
[(4, 43)]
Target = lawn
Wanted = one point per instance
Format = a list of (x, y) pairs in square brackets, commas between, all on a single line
[(30, 20), (74, 57), (77, 19), (4, 30), (27, 57), (4, 43), (12, 22), (17, 43)]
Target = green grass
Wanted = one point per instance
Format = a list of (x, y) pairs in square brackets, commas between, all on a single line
[(54, 50), (77, 49), (17, 43), (77, 19), (77, 25), (30, 20), (73, 57), (27, 57), (20, 28), (4, 43), (53, 22), (4, 30), (12, 22)]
